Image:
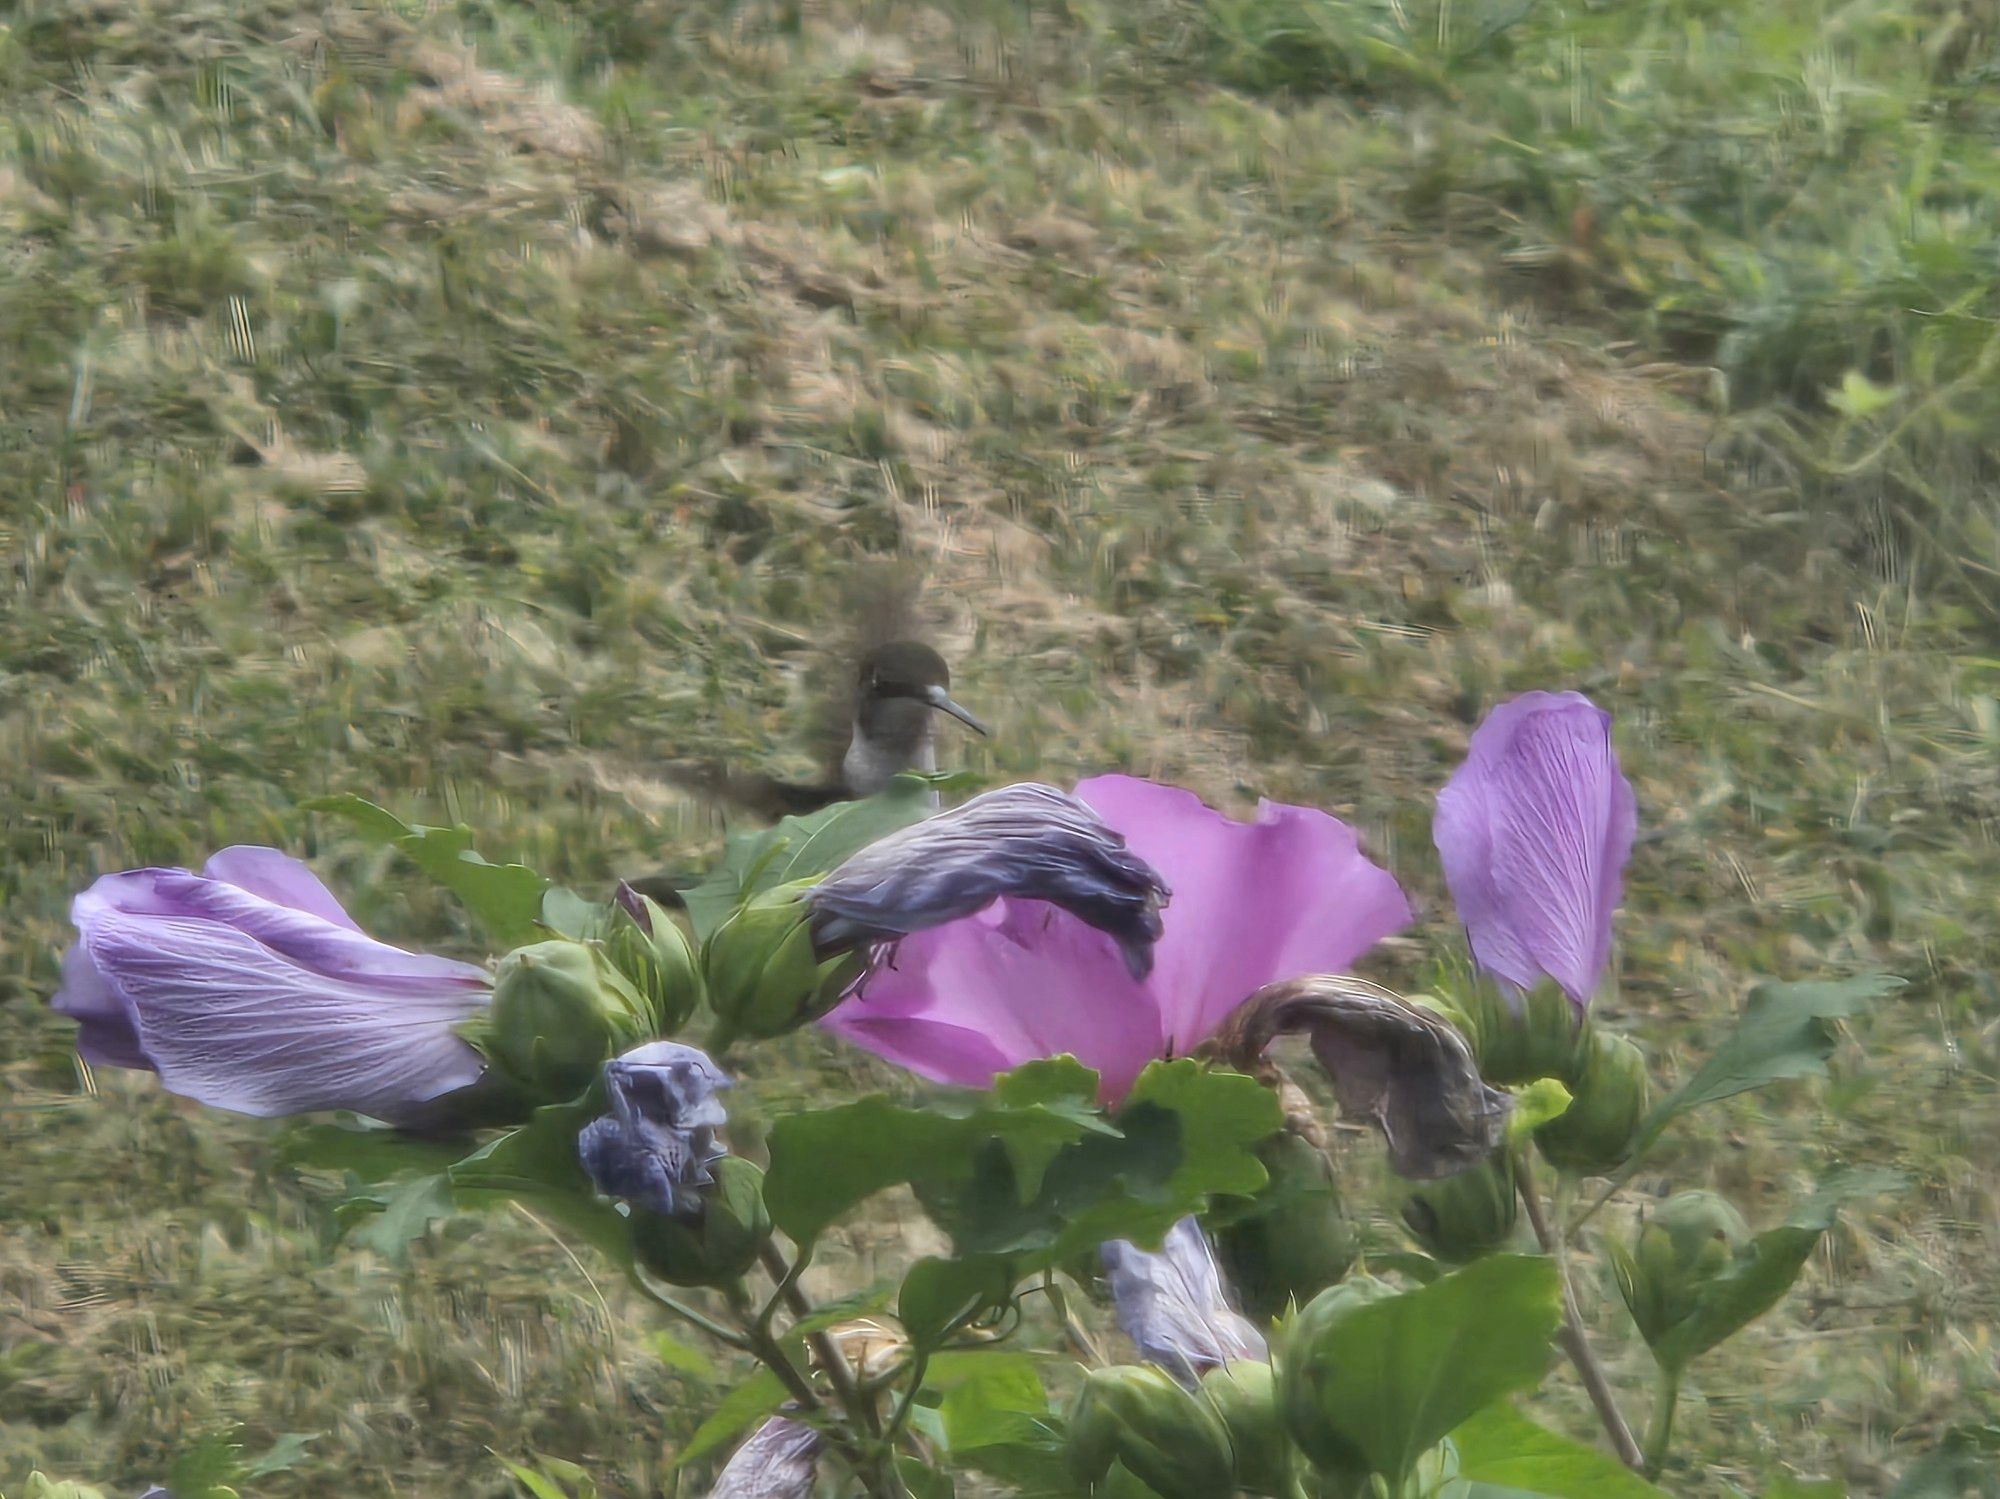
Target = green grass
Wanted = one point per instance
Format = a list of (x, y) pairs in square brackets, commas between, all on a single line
[(472, 405)]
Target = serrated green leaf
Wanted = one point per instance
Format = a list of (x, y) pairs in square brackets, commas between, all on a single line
[(370, 1152), (537, 1166), (504, 898), (799, 848), (750, 1401), (1396, 1376), (1541, 1102), (408, 1214), (282, 1455), (1786, 1031), (999, 1401), (1502, 1448), (568, 914), (938, 1293)]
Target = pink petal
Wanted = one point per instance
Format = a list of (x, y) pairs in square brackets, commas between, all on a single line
[(1016, 982), (1284, 896), (279, 879)]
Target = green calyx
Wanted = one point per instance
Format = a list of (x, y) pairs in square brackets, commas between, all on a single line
[(1171, 1441)]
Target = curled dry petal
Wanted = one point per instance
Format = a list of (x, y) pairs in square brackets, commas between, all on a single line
[(1404, 1069), (658, 1144), (1025, 842), (776, 1463), (1534, 830), (1173, 1307)]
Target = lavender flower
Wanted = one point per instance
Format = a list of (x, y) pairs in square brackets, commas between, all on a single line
[(1173, 1307), (1534, 830), (249, 988), (1026, 842), (657, 1146)]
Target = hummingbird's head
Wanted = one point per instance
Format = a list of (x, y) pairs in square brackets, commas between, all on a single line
[(908, 671)]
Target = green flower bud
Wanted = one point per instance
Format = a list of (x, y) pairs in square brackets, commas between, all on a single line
[(1293, 1241), (1244, 1396), (649, 948), (1522, 1037), (720, 1243), (1609, 1098), (1305, 1369), (1165, 1437), (1676, 1256), (560, 1010), (764, 977), (1462, 1217)]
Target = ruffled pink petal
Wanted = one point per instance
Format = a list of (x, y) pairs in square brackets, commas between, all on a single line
[(1016, 982), (1286, 895)]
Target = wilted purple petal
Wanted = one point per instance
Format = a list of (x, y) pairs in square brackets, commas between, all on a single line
[(776, 1463), (658, 1142), (1534, 830), (265, 1008), (1173, 1307), (1028, 842)]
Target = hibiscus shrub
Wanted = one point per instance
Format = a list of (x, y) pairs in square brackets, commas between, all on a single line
[(1098, 983)]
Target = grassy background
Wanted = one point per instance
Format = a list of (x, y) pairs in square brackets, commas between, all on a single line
[(472, 403)]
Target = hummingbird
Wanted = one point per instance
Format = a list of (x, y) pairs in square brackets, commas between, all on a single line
[(899, 689)]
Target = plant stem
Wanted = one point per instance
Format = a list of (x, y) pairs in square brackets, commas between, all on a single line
[(1661, 1434), (1571, 1337), (838, 1374), (919, 1366), (687, 1313)]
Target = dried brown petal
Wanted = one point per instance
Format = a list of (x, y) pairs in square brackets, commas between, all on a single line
[(1394, 1063)]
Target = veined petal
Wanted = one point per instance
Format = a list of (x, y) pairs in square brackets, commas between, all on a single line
[(1173, 1307), (229, 1019), (776, 1463), (107, 1033), (277, 878), (1534, 830), (1288, 894)]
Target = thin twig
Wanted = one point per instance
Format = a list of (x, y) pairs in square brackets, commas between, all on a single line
[(681, 1309), (839, 1373), (1571, 1336)]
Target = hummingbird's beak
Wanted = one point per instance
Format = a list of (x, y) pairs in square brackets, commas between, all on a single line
[(939, 699)]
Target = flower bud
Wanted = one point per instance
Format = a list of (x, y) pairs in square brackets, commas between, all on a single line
[(1465, 1216), (1305, 1367), (649, 948), (718, 1243), (1675, 1257), (1608, 1101), (559, 1011), (763, 973), (1521, 1037), (1165, 1437), (1244, 1398), (1295, 1241)]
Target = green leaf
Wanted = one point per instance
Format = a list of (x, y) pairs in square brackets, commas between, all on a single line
[(1758, 1280), (368, 1151), (1502, 1448), (1403, 1372), (750, 1401), (505, 898), (407, 1214), (568, 914), (1786, 1031), (924, 1480), (798, 848), (684, 1357), (208, 1468), (536, 1165), (939, 1293), (537, 1485), (999, 1401), (1541, 1102), (282, 1455)]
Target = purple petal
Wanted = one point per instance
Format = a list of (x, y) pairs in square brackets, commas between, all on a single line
[(1173, 1307), (279, 879), (231, 1020), (1026, 842), (776, 1463), (1016, 982), (1286, 895), (107, 1032), (1534, 830)]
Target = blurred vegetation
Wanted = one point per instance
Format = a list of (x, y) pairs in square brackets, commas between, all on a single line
[(472, 404)]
